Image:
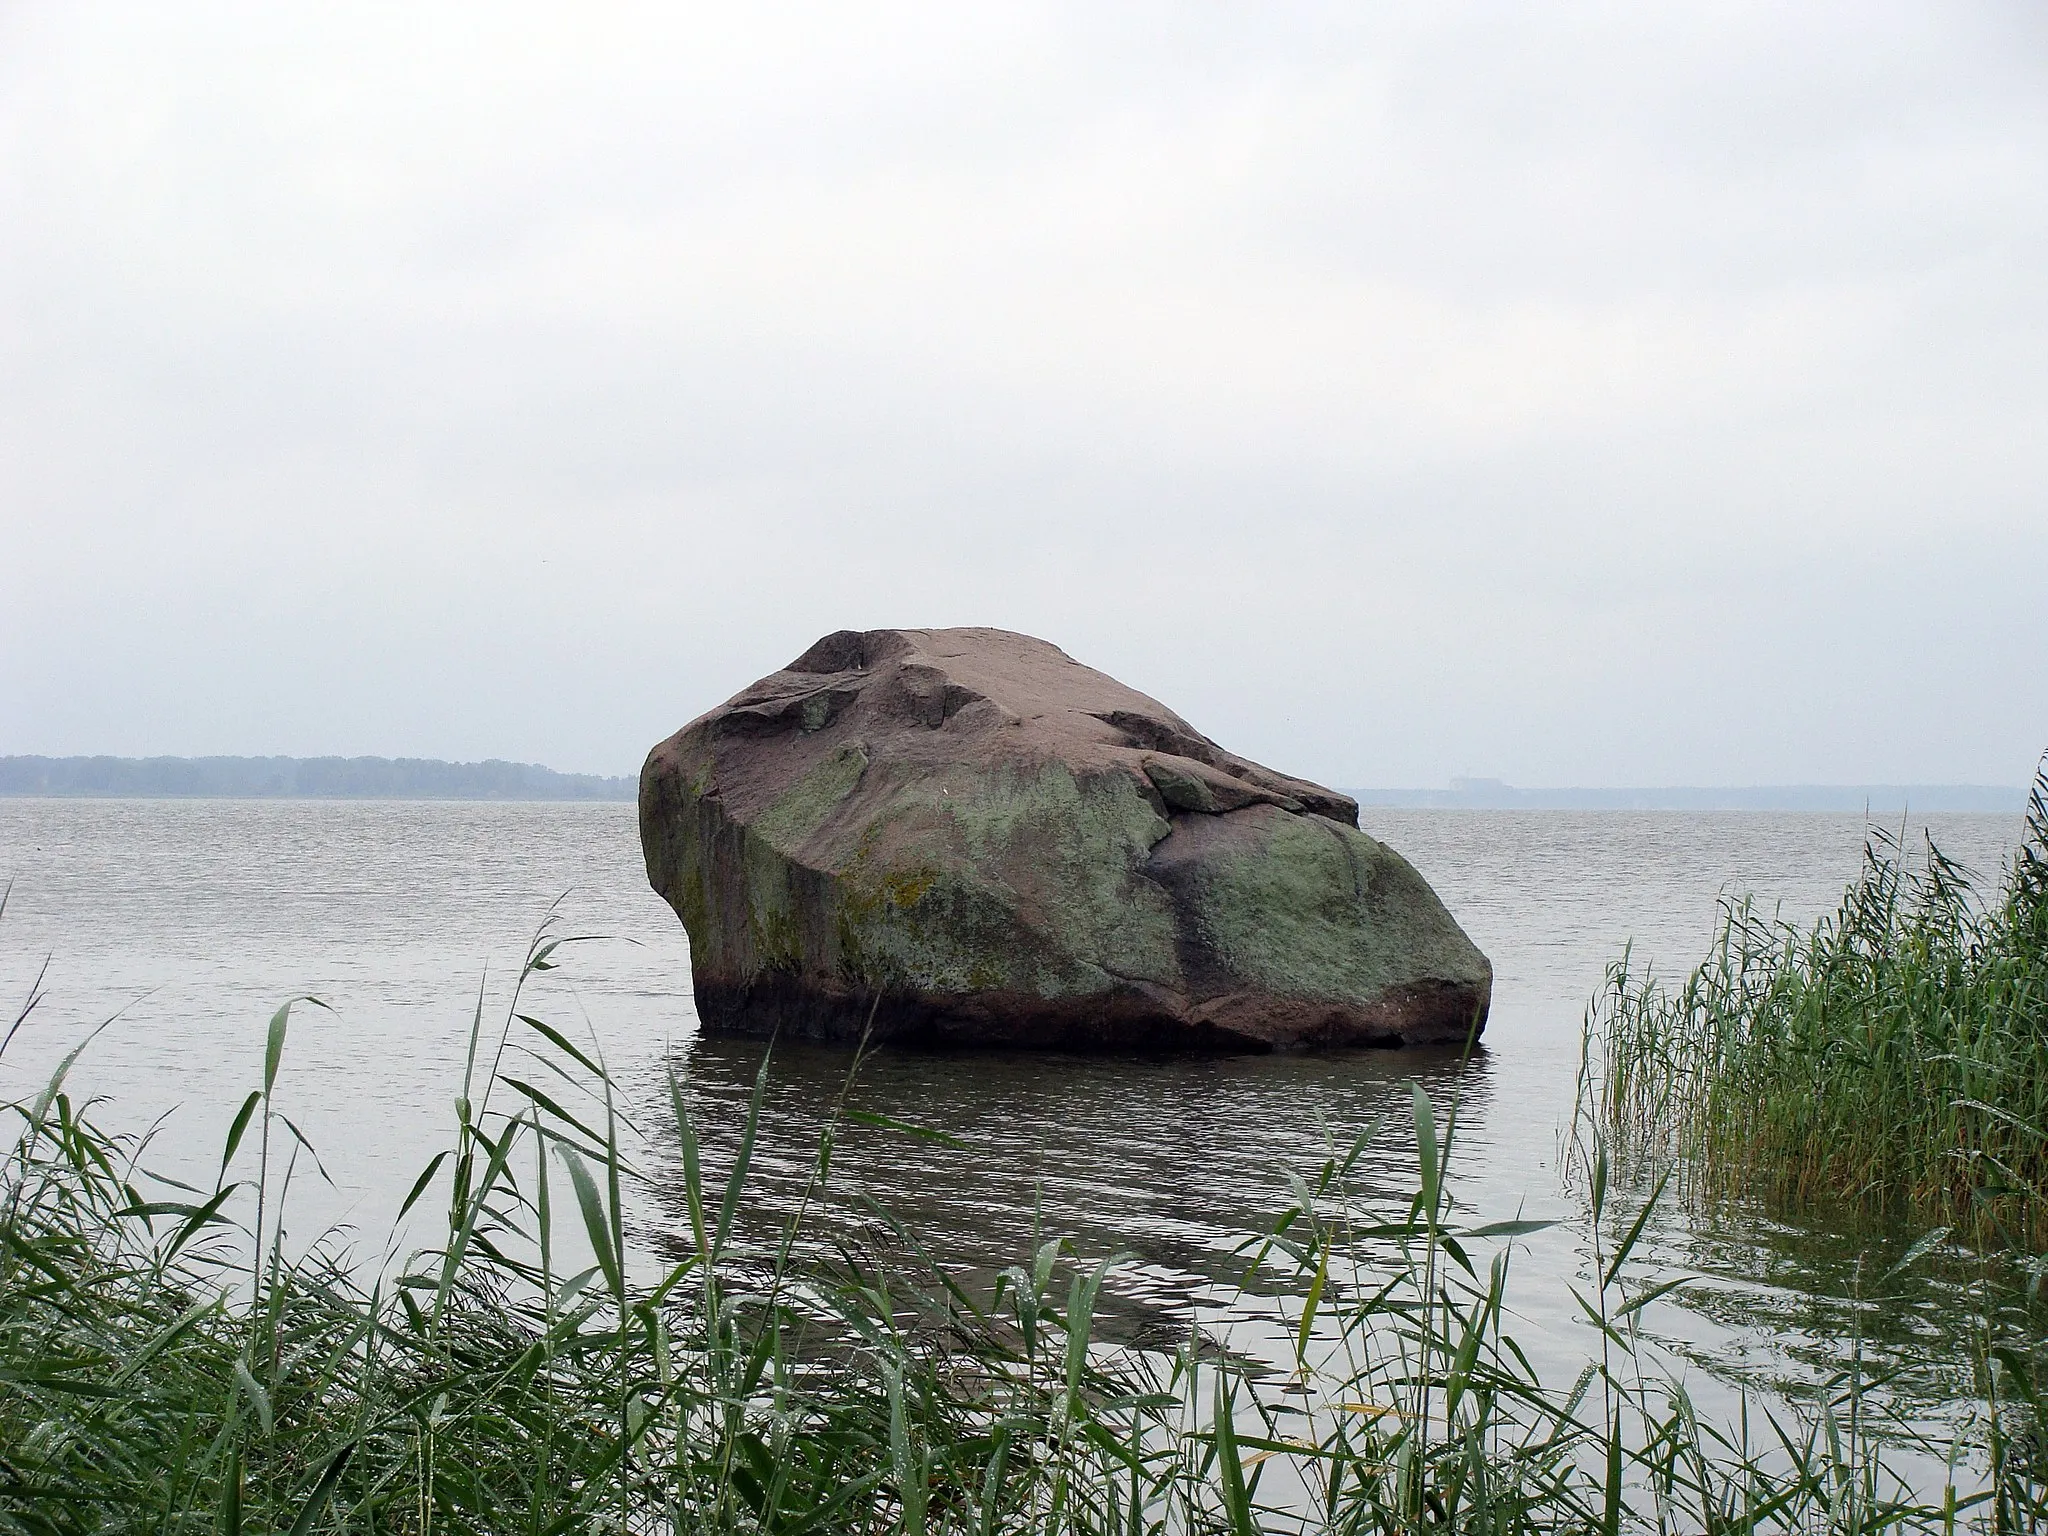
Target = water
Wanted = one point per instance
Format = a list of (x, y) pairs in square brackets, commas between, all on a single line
[(190, 921)]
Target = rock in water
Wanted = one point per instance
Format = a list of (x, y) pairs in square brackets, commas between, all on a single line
[(969, 837)]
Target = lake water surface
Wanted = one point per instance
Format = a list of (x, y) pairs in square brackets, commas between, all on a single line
[(193, 920)]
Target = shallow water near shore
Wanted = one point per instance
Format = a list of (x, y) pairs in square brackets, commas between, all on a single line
[(194, 919)]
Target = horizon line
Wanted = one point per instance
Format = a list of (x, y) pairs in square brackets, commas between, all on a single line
[(1461, 789)]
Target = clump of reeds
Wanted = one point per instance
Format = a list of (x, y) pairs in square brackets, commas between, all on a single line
[(1893, 1055), (169, 1363)]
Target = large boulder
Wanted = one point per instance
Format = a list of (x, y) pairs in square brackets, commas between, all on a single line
[(965, 836)]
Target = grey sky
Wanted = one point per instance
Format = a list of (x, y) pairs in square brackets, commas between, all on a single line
[(1574, 394)]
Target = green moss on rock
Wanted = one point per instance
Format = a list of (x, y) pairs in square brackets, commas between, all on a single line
[(1313, 908), (801, 809)]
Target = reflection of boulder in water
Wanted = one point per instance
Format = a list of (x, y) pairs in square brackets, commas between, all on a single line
[(1170, 1161), (977, 840)]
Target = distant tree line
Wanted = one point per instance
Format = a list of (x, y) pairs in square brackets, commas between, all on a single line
[(330, 778)]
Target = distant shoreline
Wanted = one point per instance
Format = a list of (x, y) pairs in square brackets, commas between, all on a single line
[(1875, 799), (299, 778), (422, 778)]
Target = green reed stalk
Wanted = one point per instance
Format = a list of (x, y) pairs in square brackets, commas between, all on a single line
[(1893, 1055)]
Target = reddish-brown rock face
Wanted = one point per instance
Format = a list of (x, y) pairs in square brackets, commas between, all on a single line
[(965, 836)]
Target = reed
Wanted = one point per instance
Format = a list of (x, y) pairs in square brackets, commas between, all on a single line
[(168, 1363), (1892, 1056)]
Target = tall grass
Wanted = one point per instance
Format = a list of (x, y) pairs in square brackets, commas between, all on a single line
[(170, 1363), (1893, 1055)]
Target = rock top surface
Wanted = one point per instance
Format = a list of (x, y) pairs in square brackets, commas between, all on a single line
[(964, 836)]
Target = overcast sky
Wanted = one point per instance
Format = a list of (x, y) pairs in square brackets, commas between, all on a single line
[(1578, 395)]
